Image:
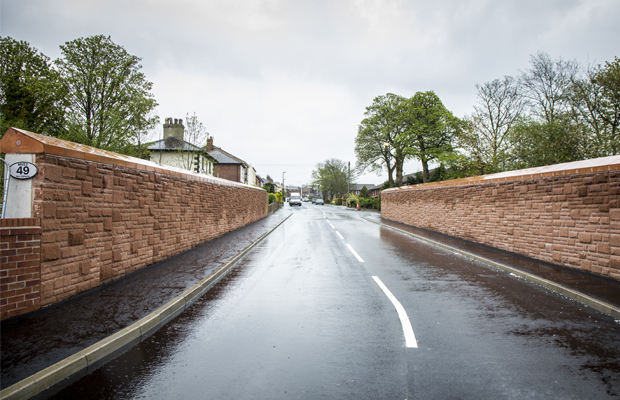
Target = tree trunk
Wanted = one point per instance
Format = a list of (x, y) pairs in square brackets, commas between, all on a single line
[(425, 174)]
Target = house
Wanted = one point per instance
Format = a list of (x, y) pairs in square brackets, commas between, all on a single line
[(174, 151), (230, 167), (373, 190)]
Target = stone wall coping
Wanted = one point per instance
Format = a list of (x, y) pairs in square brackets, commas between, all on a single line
[(19, 141), (603, 164)]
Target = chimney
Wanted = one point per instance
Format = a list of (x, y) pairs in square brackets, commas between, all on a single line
[(174, 128), (210, 144)]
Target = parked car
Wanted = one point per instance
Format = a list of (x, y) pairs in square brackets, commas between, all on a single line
[(319, 201), (306, 199)]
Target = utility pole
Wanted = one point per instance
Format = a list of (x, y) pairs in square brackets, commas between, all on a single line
[(349, 181), (283, 188)]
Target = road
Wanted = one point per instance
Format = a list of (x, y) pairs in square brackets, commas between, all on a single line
[(333, 306)]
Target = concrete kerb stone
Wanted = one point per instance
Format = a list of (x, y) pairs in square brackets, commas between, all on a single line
[(96, 355), (42, 380), (599, 305)]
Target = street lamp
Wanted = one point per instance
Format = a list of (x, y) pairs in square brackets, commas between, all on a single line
[(283, 187)]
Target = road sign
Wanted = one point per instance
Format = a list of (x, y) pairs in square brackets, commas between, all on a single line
[(23, 170)]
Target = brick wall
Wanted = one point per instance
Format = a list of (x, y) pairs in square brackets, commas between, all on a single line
[(228, 171), (571, 220), (20, 271)]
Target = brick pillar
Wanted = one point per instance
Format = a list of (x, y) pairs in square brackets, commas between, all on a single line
[(20, 266)]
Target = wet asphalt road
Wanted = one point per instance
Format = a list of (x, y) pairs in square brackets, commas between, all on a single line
[(301, 317)]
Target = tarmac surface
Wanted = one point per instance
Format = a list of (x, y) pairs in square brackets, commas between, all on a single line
[(32, 342)]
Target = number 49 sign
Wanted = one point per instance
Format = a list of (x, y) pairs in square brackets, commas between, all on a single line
[(23, 170)]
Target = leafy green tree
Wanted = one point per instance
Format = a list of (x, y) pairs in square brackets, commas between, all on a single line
[(109, 99), (430, 129), (379, 143), (331, 178), (537, 143), (31, 96), (595, 102), (269, 187), (364, 193)]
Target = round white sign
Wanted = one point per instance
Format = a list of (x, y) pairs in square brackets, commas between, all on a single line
[(23, 170)]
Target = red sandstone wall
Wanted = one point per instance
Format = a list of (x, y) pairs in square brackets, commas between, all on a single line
[(571, 220), (99, 222)]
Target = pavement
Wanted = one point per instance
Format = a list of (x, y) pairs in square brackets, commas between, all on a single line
[(72, 337)]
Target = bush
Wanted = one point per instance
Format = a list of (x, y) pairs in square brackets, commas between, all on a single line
[(272, 198), (337, 201), (352, 201), (367, 203)]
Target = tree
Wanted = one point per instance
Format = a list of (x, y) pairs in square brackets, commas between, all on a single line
[(364, 193), (538, 143), (595, 102), (109, 99), (550, 135), (31, 96), (546, 86), (196, 135), (331, 178), (485, 135), (429, 128), (379, 144), (269, 187)]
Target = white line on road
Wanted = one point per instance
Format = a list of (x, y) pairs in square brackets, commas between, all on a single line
[(410, 340), (354, 253), (339, 235), (333, 227)]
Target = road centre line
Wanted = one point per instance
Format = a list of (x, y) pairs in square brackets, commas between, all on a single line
[(332, 226), (340, 235), (354, 253), (410, 340)]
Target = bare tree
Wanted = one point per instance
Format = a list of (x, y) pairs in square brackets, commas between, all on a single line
[(195, 136), (546, 86), (486, 136)]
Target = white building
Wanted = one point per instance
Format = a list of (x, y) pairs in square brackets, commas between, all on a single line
[(174, 151)]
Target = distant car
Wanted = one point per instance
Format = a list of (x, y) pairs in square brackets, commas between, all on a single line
[(313, 201), (295, 200), (319, 201), (306, 199)]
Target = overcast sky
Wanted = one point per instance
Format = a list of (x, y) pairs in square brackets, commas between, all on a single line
[(284, 84)]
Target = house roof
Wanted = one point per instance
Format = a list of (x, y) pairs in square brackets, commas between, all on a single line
[(173, 144), (359, 186), (223, 157)]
